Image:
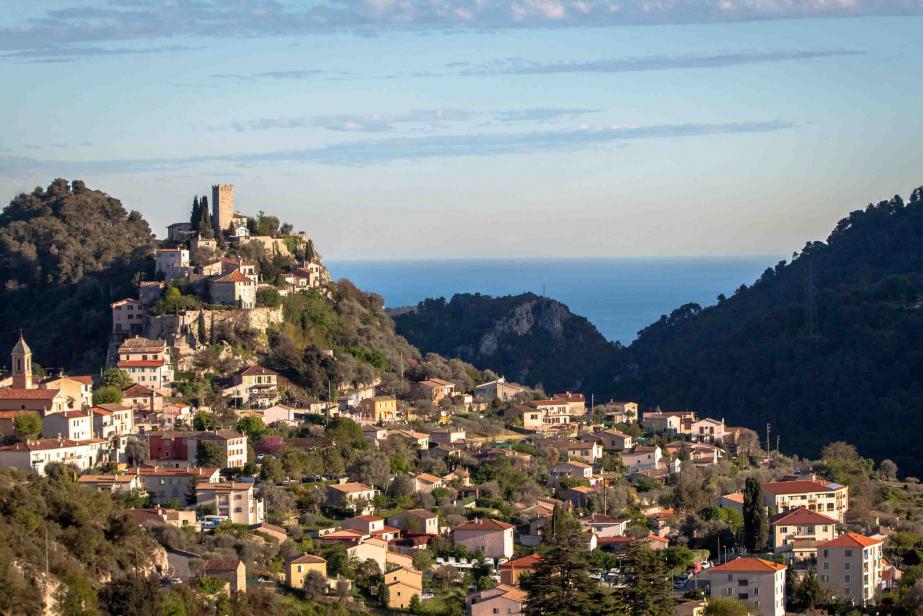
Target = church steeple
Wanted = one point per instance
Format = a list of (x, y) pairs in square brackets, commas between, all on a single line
[(22, 364)]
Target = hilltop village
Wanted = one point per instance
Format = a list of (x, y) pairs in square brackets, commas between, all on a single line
[(265, 457)]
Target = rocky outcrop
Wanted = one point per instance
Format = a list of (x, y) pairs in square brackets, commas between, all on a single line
[(532, 339)]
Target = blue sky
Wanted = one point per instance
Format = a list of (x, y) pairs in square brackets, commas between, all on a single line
[(476, 128)]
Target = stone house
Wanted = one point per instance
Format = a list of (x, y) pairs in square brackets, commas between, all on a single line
[(234, 289), (234, 572), (416, 521), (146, 361)]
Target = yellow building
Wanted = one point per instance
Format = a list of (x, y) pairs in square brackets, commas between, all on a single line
[(380, 409), (402, 584), (300, 567)]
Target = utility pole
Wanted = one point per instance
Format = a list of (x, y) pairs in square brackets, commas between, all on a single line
[(768, 450), (778, 437)]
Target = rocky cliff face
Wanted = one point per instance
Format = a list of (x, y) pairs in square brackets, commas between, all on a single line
[(527, 338)]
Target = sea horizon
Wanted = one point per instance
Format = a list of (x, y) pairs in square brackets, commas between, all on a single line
[(618, 295)]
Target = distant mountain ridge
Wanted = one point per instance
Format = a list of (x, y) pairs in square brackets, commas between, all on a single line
[(522, 337), (827, 347)]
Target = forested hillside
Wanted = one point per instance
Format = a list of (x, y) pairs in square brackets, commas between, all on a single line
[(527, 338), (827, 347), (66, 253)]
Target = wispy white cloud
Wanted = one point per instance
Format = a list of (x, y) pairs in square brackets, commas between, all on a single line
[(274, 75), (72, 53), (520, 66), (427, 119), (385, 151), (123, 20)]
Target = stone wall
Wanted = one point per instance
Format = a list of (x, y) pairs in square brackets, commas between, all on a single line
[(180, 330)]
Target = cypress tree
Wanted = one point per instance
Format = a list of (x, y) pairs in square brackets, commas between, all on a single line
[(201, 327), (196, 215), (205, 224), (309, 253), (756, 521)]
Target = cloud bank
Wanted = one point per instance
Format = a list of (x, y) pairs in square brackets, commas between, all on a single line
[(398, 149), (126, 20)]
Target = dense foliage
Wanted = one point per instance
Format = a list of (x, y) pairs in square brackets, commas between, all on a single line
[(830, 340), (66, 253), (86, 536)]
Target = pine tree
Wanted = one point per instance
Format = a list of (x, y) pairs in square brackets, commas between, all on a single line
[(649, 589), (561, 583), (756, 521)]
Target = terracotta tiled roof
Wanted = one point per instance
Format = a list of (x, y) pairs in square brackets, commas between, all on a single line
[(801, 516), (800, 486), (598, 518), (485, 524), (522, 563), (139, 342), (258, 370), (307, 559), (850, 540), (235, 276), (351, 487), (735, 497), (138, 390), (221, 565), (48, 443), (428, 478), (419, 513), (749, 565), (9, 393)]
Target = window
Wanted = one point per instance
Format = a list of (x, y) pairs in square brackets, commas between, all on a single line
[(848, 554)]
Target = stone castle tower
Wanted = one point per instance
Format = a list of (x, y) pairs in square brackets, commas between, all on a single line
[(222, 206), (22, 365)]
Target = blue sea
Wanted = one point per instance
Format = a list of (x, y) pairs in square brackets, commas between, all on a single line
[(619, 296)]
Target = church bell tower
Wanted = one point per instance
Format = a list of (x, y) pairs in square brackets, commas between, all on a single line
[(22, 365)]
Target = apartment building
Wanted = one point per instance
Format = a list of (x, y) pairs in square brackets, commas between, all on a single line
[(850, 566)]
